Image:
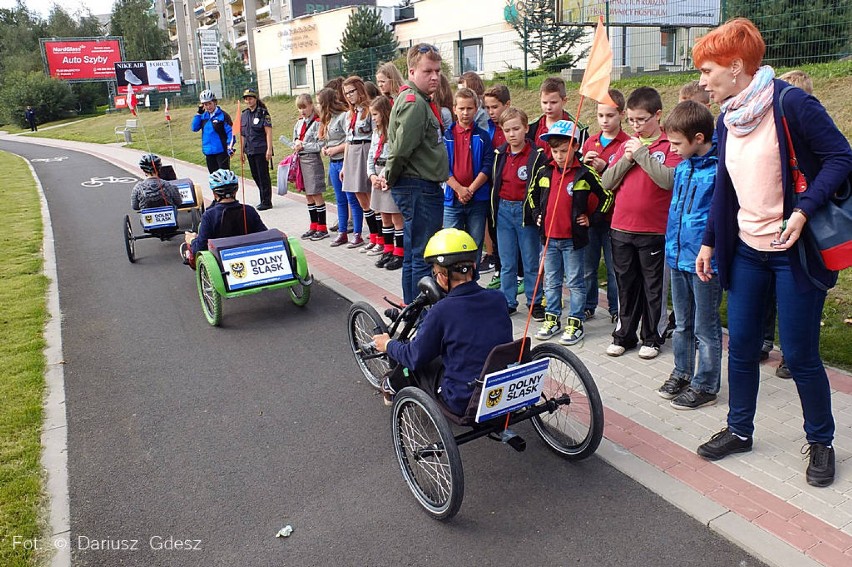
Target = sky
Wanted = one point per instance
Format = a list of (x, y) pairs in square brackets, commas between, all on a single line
[(43, 7)]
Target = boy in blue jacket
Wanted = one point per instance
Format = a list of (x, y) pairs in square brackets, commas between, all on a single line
[(689, 128), (468, 191), (217, 137)]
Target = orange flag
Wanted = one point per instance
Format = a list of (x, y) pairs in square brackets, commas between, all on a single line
[(235, 127), (595, 83)]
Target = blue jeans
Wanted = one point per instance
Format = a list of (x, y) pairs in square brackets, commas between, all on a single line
[(357, 212), (470, 218), (799, 314), (562, 262), (334, 169), (599, 240), (696, 307), (511, 236), (421, 204)]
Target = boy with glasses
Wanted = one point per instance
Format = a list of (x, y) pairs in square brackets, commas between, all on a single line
[(638, 173)]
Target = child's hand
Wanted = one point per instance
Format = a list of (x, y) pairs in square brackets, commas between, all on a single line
[(374, 181), (631, 146), (298, 145), (381, 342), (188, 237), (383, 183), (703, 268), (582, 220)]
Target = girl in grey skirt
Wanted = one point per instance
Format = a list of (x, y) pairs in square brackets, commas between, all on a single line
[(307, 144), (389, 243), (356, 182)]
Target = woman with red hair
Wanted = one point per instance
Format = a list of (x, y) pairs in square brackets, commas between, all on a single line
[(756, 221)]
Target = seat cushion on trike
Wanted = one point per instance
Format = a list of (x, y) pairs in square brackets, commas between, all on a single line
[(500, 357), (167, 172), (252, 260)]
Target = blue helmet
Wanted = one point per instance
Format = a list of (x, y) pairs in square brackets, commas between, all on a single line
[(224, 182)]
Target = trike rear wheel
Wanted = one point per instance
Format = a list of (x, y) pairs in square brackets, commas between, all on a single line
[(427, 453), (300, 293), (364, 322), (573, 430), (129, 242), (211, 300)]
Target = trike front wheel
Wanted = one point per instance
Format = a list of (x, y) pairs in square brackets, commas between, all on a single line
[(211, 300), (363, 323)]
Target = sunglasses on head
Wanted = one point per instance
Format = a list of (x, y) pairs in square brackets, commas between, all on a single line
[(426, 48)]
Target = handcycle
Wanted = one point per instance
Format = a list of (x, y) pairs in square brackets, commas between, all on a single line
[(243, 265), (164, 222), (547, 385)]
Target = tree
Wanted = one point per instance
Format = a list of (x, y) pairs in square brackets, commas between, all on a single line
[(143, 40), (542, 35), (51, 99), (366, 42), (798, 32), (234, 73)]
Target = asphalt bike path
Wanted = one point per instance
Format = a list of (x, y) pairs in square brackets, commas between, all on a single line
[(190, 445)]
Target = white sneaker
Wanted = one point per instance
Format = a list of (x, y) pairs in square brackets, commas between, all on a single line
[(615, 350), (648, 352), (131, 77)]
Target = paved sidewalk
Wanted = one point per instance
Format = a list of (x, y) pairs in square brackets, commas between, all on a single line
[(759, 500)]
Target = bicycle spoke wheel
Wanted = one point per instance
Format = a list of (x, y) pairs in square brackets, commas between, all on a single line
[(364, 322), (211, 301), (129, 242), (427, 453), (575, 429)]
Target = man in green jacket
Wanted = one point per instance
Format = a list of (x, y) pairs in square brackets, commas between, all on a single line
[(418, 162)]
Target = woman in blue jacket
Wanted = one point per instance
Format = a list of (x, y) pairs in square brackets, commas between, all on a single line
[(756, 223)]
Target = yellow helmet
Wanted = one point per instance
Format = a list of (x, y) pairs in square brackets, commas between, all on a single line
[(451, 246)]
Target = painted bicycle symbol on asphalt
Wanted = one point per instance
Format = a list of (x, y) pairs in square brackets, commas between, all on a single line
[(100, 181)]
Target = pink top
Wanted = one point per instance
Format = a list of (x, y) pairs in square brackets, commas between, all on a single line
[(754, 164)]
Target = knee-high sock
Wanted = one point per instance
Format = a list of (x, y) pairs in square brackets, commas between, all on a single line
[(312, 212), (387, 236), (370, 217), (321, 226), (397, 243)]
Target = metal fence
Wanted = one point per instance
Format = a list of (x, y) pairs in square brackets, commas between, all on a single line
[(646, 37)]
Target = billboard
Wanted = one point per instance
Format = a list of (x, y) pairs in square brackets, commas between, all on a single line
[(82, 59), (651, 13), (302, 7), (163, 74)]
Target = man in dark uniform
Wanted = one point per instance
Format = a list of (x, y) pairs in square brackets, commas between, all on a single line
[(256, 137)]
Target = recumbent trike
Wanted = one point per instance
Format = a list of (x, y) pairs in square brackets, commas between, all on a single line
[(547, 385)]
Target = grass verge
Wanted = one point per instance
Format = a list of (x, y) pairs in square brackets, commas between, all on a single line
[(22, 318)]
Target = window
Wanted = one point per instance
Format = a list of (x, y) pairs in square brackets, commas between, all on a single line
[(332, 66), (300, 72), (668, 37), (470, 55)]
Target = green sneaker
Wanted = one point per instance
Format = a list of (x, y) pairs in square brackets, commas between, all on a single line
[(550, 328), (495, 282), (520, 287)]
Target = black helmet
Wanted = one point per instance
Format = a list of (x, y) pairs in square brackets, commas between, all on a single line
[(150, 163)]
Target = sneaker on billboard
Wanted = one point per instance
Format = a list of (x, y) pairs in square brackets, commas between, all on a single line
[(131, 78), (163, 76), (550, 328)]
